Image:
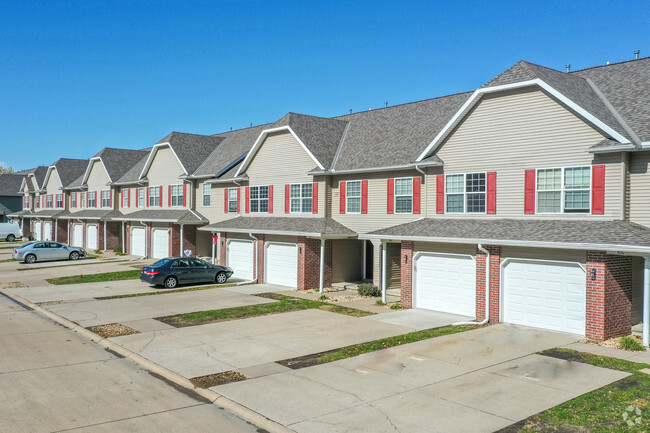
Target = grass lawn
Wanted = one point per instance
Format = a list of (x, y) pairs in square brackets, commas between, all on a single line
[(622, 406), (284, 304), (96, 278)]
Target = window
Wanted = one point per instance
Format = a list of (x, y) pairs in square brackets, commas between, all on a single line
[(301, 197), (207, 189), (353, 197), (59, 200), (232, 200), (564, 190), (38, 202), (106, 198), (73, 199), (140, 197), (259, 198), (404, 195), (48, 201), (154, 196), (83, 200), (92, 196), (125, 197), (177, 195), (26, 203), (465, 192)]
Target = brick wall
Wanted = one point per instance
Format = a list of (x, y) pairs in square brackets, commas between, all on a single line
[(100, 235), (327, 269), (223, 239), (495, 276), (113, 234), (26, 226), (175, 240), (609, 295), (260, 258), (407, 275), (189, 238), (127, 237), (309, 263), (62, 231)]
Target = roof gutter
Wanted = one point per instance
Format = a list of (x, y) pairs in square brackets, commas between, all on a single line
[(375, 169), (231, 180), (275, 232)]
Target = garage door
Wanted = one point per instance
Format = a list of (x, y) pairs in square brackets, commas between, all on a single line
[(160, 243), (37, 231), (239, 256), (549, 295), (282, 264), (78, 235), (446, 282), (91, 237), (138, 241), (47, 231)]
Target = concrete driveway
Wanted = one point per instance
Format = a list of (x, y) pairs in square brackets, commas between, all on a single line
[(477, 381)]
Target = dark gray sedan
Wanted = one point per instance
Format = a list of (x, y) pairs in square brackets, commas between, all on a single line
[(172, 271), (46, 250)]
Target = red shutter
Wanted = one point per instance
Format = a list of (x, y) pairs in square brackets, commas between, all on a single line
[(184, 194), (122, 197), (440, 194), (147, 202), (416, 194), (314, 197), (390, 206), (270, 198), (491, 196), (238, 200), (225, 200), (161, 196), (287, 198), (169, 197), (529, 192), (342, 193), (128, 197), (364, 196), (97, 198), (598, 189), (247, 197)]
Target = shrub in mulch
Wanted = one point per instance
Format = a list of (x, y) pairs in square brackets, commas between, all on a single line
[(216, 379)]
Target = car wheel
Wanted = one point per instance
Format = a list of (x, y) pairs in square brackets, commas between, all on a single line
[(74, 255), (221, 277), (11, 238), (30, 258), (171, 282)]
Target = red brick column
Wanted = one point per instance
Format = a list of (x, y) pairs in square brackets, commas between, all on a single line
[(175, 240), (189, 239), (127, 237), (308, 263), (406, 274), (113, 235), (100, 235), (327, 270), (223, 239), (62, 231), (27, 230), (260, 258), (609, 295), (495, 276)]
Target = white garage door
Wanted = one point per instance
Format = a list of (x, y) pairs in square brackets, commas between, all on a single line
[(282, 264), (138, 241), (446, 282), (91, 237), (47, 231), (160, 243), (78, 235), (239, 256), (549, 295), (37, 231)]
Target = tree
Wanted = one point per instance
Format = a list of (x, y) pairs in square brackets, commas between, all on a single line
[(6, 169)]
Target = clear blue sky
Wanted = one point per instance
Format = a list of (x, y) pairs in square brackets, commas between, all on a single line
[(79, 76)]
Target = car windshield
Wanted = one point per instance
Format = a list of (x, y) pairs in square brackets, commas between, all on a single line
[(161, 262)]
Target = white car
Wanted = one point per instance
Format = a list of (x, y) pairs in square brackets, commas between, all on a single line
[(10, 231), (46, 250)]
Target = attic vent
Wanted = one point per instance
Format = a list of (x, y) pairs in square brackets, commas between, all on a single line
[(636, 54), (568, 67)]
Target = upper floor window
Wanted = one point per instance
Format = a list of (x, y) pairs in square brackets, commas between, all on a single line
[(38, 201), (404, 195), (83, 200), (232, 200), (259, 198), (177, 195), (140, 197), (26, 202), (48, 201), (564, 190), (59, 200), (353, 196), (154, 196), (92, 198), (106, 198), (207, 189), (301, 196), (73, 199), (125, 197), (466, 192)]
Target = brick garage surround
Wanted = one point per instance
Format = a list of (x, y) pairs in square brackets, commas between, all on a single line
[(26, 226), (259, 260), (189, 239), (113, 234), (223, 240), (127, 238), (309, 263), (495, 276), (62, 231), (609, 295), (406, 288)]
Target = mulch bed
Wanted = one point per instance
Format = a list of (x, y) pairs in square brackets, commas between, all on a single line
[(112, 330), (216, 379)]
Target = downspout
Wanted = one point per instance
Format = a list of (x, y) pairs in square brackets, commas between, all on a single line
[(322, 265), (383, 272), (146, 242), (646, 301), (104, 235), (123, 239), (181, 242), (487, 290), (214, 247)]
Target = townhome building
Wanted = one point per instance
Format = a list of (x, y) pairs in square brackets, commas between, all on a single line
[(29, 186), (11, 200)]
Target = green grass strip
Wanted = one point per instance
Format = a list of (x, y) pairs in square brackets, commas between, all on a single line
[(96, 278), (80, 262), (384, 343), (162, 292)]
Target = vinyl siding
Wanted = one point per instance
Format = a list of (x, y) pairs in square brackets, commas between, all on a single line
[(53, 184), (215, 212), (165, 170), (637, 291), (393, 266), (347, 256), (377, 216), (432, 247), (98, 180), (639, 188), (509, 133), (544, 254), (132, 200)]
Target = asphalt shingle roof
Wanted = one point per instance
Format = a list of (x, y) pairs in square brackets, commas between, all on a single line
[(70, 169), (322, 226), (10, 184), (100, 214), (191, 149), (177, 215), (119, 161)]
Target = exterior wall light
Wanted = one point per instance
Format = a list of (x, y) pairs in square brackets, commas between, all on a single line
[(406, 258), (593, 273)]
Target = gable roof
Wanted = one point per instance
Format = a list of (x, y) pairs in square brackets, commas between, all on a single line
[(67, 169), (132, 175), (190, 150), (38, 174), (10, 184), (116, 161)]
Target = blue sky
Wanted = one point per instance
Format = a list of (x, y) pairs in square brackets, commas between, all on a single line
[(79, 76)]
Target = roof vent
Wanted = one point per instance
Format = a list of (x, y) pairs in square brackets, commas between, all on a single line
[(636, 54), (350, 110), (251, 124), (385, 104), (568, 67)]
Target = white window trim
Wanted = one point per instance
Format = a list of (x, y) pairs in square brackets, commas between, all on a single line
[(141, 194), (56, 199), (562, 190), (301, 198), (125, 197), (347, 196), (108, 198), (208, 195), (235, 200), (73, 200), (179, 198), (465, 193), (250, 199), (152, 197), (395, 196)]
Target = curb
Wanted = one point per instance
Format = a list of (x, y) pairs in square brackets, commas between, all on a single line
[(214, 397)]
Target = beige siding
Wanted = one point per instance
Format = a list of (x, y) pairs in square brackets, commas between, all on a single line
[(215, 212), (282, 160), (347, 259), (377, 216), (637, 291), (393, 266), (431, 247), (544, 254), (639, 179), (53, 183), (524, 130), (165, 170), (98, 181)]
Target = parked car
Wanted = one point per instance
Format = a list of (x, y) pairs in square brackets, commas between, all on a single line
[(46, 250), (10, 231), (173, 271)]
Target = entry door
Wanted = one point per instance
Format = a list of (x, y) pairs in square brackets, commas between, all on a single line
[(91, 237)]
